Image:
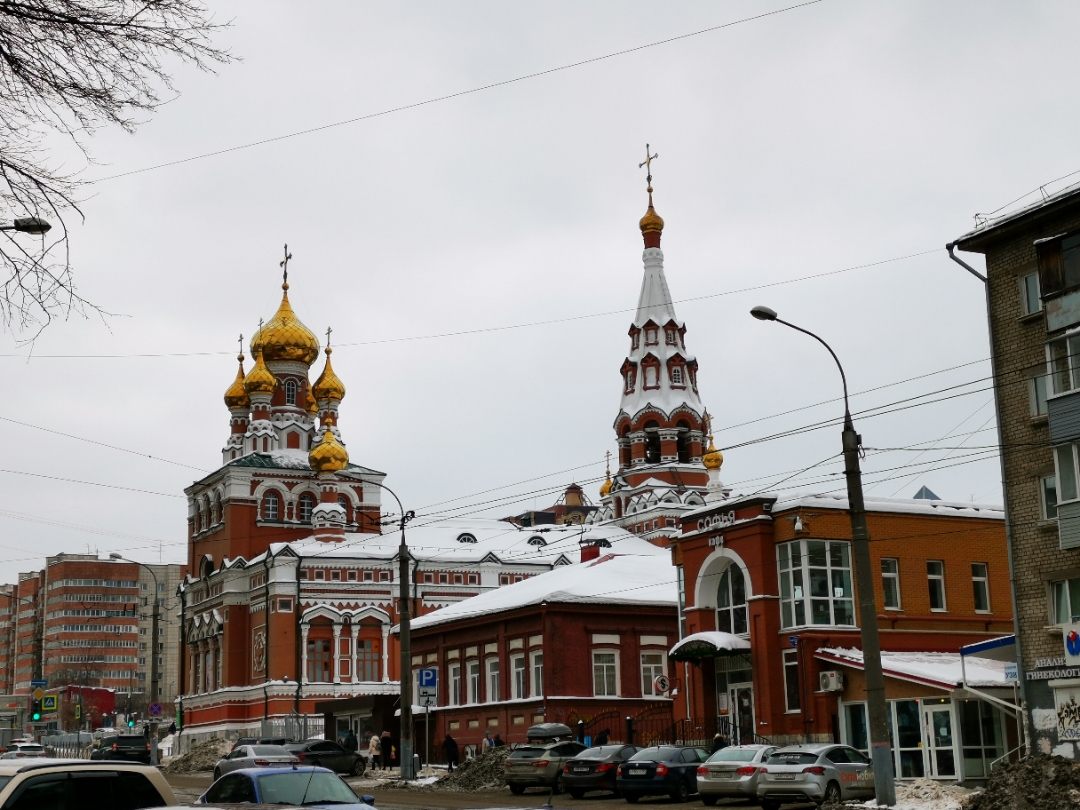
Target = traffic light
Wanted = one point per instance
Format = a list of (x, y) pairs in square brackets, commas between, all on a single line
[(35, 710), (131, 723)]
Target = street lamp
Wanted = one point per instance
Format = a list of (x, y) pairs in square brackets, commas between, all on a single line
[(34, 225), (153, 654), (880, 746)]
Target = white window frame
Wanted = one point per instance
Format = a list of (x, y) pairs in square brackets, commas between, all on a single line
[(650, 670), (651, 336), (671, 336), (536, 673), (796, 590), (791, 662), (1047, 510), (677, 376), (1061, 589), (1027, 305), (290, 392), (474, 674), (519, 677), (981, 579), (1065, 459), (1037, 395), (652, 376), (893, 575), (492, 675), (940, 579), (453, 679), (1063, 363), (614, 664)]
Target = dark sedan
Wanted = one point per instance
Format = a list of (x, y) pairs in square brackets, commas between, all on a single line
[(594, 769), (662, 769), (327, 754)]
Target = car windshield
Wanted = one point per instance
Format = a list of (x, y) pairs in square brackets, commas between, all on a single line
[(527, 752), (4, 780), (656, 754), (600, 752), (733, 755), (305, 787), (269, 751), (793, 758)]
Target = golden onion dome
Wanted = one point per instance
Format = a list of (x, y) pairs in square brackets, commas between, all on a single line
[(284, 337), (312, 405), (652, 221), (605, 488), (713, 458), (328, 386), (236, 396), (328, 456), (259, 380)]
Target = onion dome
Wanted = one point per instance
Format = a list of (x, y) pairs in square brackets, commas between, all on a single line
[(309, 402), (328, 456), (328, 386), (236, 396), (605, 488), (713, 458), (284, 337), (652, 225), (259, 380)]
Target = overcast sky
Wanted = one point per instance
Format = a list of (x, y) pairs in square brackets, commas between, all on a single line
[(836, 135)]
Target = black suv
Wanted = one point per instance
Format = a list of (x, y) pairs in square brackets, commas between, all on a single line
[(126, 747)]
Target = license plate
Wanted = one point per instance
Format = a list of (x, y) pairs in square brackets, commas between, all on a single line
[(789, 776), (637, 771), (724, 774), (581, 770)]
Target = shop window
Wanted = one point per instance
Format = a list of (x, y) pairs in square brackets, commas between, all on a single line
[(605, 673), (981, 736), (935, 575), (815, 583), (890, 582), (792, 695), (731, 602), (980, 583), (653, 665), (908, 741)]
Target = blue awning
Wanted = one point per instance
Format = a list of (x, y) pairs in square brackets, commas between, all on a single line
[(996, 649)]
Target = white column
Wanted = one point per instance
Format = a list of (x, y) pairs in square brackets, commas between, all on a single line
[(337, 653), (385, 653), (355, 653), (303, 652)]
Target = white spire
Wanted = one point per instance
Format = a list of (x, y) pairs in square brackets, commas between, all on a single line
[(655, 299)]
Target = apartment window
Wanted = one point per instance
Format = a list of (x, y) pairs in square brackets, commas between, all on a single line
[(1063, 363), (652, 667), (935, 574), (980, 583), (1030, 300), (1066, 596), (493, 680), (1048, 497), (536, 684), (731, 601), (455, 684), (791, 680), (890, 582), (605, 673), (815, 583), (1037, 395), (1059, 264), (517, 669), (474, 681), (1065, 462)]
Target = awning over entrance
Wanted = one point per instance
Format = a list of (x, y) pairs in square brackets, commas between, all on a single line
[(708, 644), (996, 649)]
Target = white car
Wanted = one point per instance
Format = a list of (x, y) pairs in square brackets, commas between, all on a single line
[(22, 750), (819, 773)]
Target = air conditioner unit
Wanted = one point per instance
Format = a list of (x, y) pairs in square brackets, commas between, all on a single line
[(831, 681)]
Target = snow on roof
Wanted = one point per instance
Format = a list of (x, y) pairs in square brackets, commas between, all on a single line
[(993, 222), (942, 670), (470, 540), (286, 458), (911, 506), (612, 579), (714, 638)]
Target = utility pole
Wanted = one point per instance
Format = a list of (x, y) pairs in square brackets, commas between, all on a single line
[(405, 642)]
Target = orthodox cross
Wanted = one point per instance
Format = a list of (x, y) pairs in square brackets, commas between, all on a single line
[(708, 423), (241, 344), (648, 164), (284, 264), (328, 331), (608, 453)]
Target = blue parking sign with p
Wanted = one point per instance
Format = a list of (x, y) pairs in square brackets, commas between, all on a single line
[(427, 685)]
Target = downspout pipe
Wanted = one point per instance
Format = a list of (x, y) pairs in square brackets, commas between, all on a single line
[(950, 247)]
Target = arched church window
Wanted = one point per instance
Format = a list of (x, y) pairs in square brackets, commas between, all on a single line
[(271, 506), (683, 446), (634, 340), (652, 442), (672, 337), (343, 502), (731, 602), (537, 540), (630, 380), (652, 379), (290, 392), (307, 505), (677, 376), (650, 336), (206, 566)]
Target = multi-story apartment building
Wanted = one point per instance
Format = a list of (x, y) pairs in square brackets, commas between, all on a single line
[(1033, 294)]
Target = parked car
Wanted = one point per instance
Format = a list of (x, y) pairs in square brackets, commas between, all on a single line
[(254, 756), (327, 754), (36, 784), (539, 764), (126, 747), (594, 769), (308, 787), (661, 769), (260, 741), (732, 773), (822, 772)]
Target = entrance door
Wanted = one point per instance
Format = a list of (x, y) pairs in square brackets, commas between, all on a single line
[(741, 703), (939, 734)]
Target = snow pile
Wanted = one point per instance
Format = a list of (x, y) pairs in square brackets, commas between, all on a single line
[(928, 794), (485, 771), (1039, 782), (203, 756)]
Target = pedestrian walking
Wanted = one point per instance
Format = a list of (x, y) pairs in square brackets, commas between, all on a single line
[(488, 742), (498, 741), (374, 748), (351, 744), (450, 751), (386, 746)]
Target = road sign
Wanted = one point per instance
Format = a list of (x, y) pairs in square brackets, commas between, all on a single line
[(48, 703), (661, 683), (39, 683), (154, 709), (427, 683), (38, 694), (78, 711)]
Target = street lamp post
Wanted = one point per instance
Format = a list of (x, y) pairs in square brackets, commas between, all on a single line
[(880, 745), (34, 225), (153, 655)]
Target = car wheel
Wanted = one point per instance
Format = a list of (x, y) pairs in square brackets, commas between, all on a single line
[(832, 794), (577, 793), (681, 793), (708, 801), (517, 790), (556, 786), (358, 768), (632, 798)]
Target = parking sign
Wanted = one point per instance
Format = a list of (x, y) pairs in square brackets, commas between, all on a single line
[(427, 684)]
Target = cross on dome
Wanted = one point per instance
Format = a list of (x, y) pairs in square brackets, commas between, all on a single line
[(651, 224), (284, 265)]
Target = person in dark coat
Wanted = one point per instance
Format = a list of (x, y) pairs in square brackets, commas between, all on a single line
[(498, 743), (386, 744), (718, 742), (450, 751), (351, 744), (602, 737)]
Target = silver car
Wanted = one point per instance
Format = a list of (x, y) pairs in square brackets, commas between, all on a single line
[(732, 773), (253, 756), (821, 772)]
